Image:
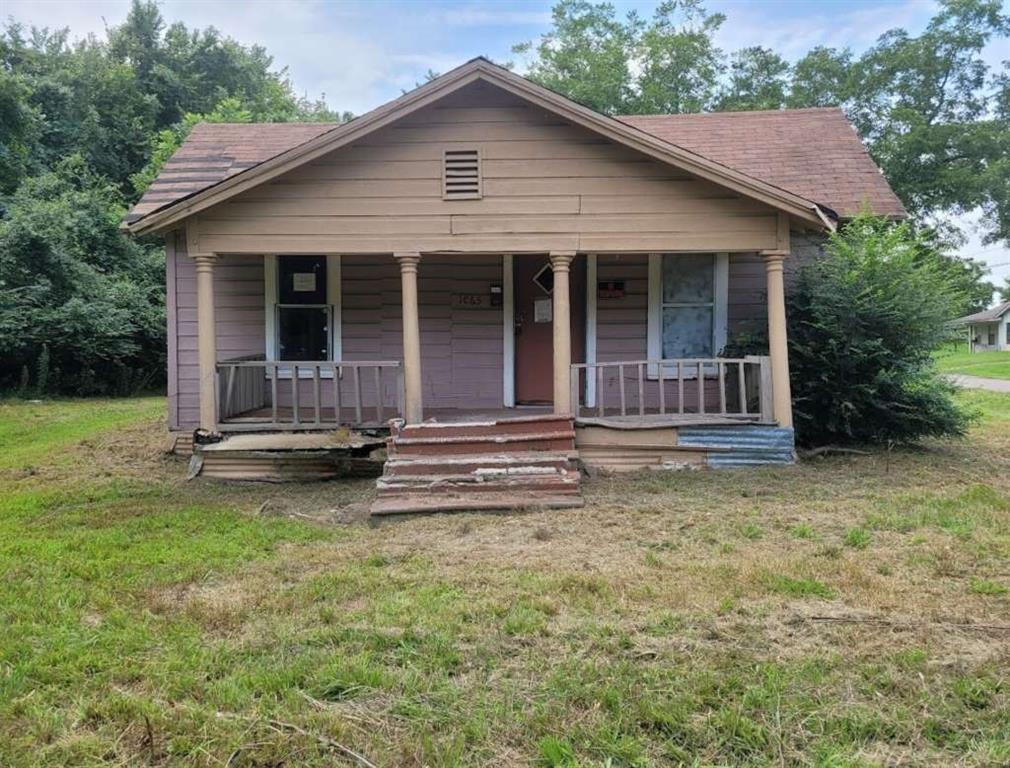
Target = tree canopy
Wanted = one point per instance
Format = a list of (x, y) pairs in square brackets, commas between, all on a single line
[(84, 127), (934, 116)]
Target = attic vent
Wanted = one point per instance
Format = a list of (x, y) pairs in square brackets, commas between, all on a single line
[(461, 174)]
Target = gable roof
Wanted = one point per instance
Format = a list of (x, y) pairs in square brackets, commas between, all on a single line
[(814, 153), (224, 160), (985, 316)]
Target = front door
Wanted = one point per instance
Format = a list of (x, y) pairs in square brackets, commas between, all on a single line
[(534, 326), (534, 311)]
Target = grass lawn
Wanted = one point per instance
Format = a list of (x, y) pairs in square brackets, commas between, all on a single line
[(992, 365), (850, 611)]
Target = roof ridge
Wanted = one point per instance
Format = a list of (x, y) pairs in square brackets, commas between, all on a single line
[(737, 112)]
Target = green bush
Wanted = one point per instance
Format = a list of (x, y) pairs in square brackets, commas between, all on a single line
[(863, 323), (81, 307)]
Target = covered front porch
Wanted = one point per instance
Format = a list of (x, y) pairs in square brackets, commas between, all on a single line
[(261, 392)]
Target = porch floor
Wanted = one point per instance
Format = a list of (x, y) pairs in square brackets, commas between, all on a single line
[(262, 419)]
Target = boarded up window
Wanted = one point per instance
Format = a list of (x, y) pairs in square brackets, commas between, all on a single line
[(461, 176), (688, 305)]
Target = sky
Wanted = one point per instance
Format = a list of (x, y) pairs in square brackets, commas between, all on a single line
[(358, 54)]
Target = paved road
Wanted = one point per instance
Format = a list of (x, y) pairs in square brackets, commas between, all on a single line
[(977, 382)]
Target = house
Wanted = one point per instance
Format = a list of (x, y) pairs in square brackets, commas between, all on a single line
[(500, 273), (988, 331)]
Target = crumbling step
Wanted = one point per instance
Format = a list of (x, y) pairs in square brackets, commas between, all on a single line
[(492, 428), (561, 440), (471, 485), (514, 463), (407, 504)]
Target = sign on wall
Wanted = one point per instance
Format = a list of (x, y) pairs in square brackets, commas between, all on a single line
[(543, 311), (303, 281)]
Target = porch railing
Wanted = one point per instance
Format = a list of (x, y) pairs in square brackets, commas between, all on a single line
[(721, 386), (258, 394)]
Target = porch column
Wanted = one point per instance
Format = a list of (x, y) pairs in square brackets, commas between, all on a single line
[(777, 344), (561, 264), (206, 339), (411, 336)]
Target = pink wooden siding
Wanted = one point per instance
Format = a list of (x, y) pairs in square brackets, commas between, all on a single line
[(461, 349), (622, 324)]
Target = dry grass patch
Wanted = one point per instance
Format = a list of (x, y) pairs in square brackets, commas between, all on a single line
[(850, 611)]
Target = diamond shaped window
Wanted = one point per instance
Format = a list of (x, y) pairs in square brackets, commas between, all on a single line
[(545, 279)]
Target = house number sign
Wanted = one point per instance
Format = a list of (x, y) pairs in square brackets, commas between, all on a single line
[(471, 300)]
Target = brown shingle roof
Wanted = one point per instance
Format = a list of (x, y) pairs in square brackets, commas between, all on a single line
[(814, 153), (214, 151)]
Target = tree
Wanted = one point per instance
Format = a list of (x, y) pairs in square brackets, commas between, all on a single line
[(1004, 290), (759, 79), (81, 307), (84, 127), (679, 63), (586, 55)]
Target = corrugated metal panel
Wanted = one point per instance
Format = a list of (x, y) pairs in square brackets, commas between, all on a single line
[(742, 446)]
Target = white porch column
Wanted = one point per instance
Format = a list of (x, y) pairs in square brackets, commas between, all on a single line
[(206, 339), (777, 342), (561, 264), (411, 336)]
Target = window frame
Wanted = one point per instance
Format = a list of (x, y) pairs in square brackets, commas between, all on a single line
[(272, 307), (720, 308)]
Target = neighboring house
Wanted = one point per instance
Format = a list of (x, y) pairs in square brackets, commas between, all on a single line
[(988, 331), (484, 247)]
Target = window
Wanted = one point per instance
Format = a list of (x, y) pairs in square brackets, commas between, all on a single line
[(461, 177), (688, 294), (302, 307)]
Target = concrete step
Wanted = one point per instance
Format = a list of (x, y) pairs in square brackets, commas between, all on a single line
[(560, 440), (474, 502)]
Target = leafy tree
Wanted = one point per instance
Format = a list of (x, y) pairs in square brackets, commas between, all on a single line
[(930, 114), (1004, 290), (679, 62), (822, 78), (863, 323), (759, 79), (74, 293), (586, 55), (84, 126)]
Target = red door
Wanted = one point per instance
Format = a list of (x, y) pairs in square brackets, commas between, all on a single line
[(534, 330)]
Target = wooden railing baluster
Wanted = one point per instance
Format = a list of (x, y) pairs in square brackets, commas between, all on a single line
[(336, 393), (722, 388), (742, 389), (378, 394), (599, 390), (680, 387), (641, 390), (294, 394), (620, 381), (357, 394)]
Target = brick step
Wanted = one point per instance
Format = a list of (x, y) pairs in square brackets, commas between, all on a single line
[(537, 461), (492, 428), (561, 440), (474, 502)]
